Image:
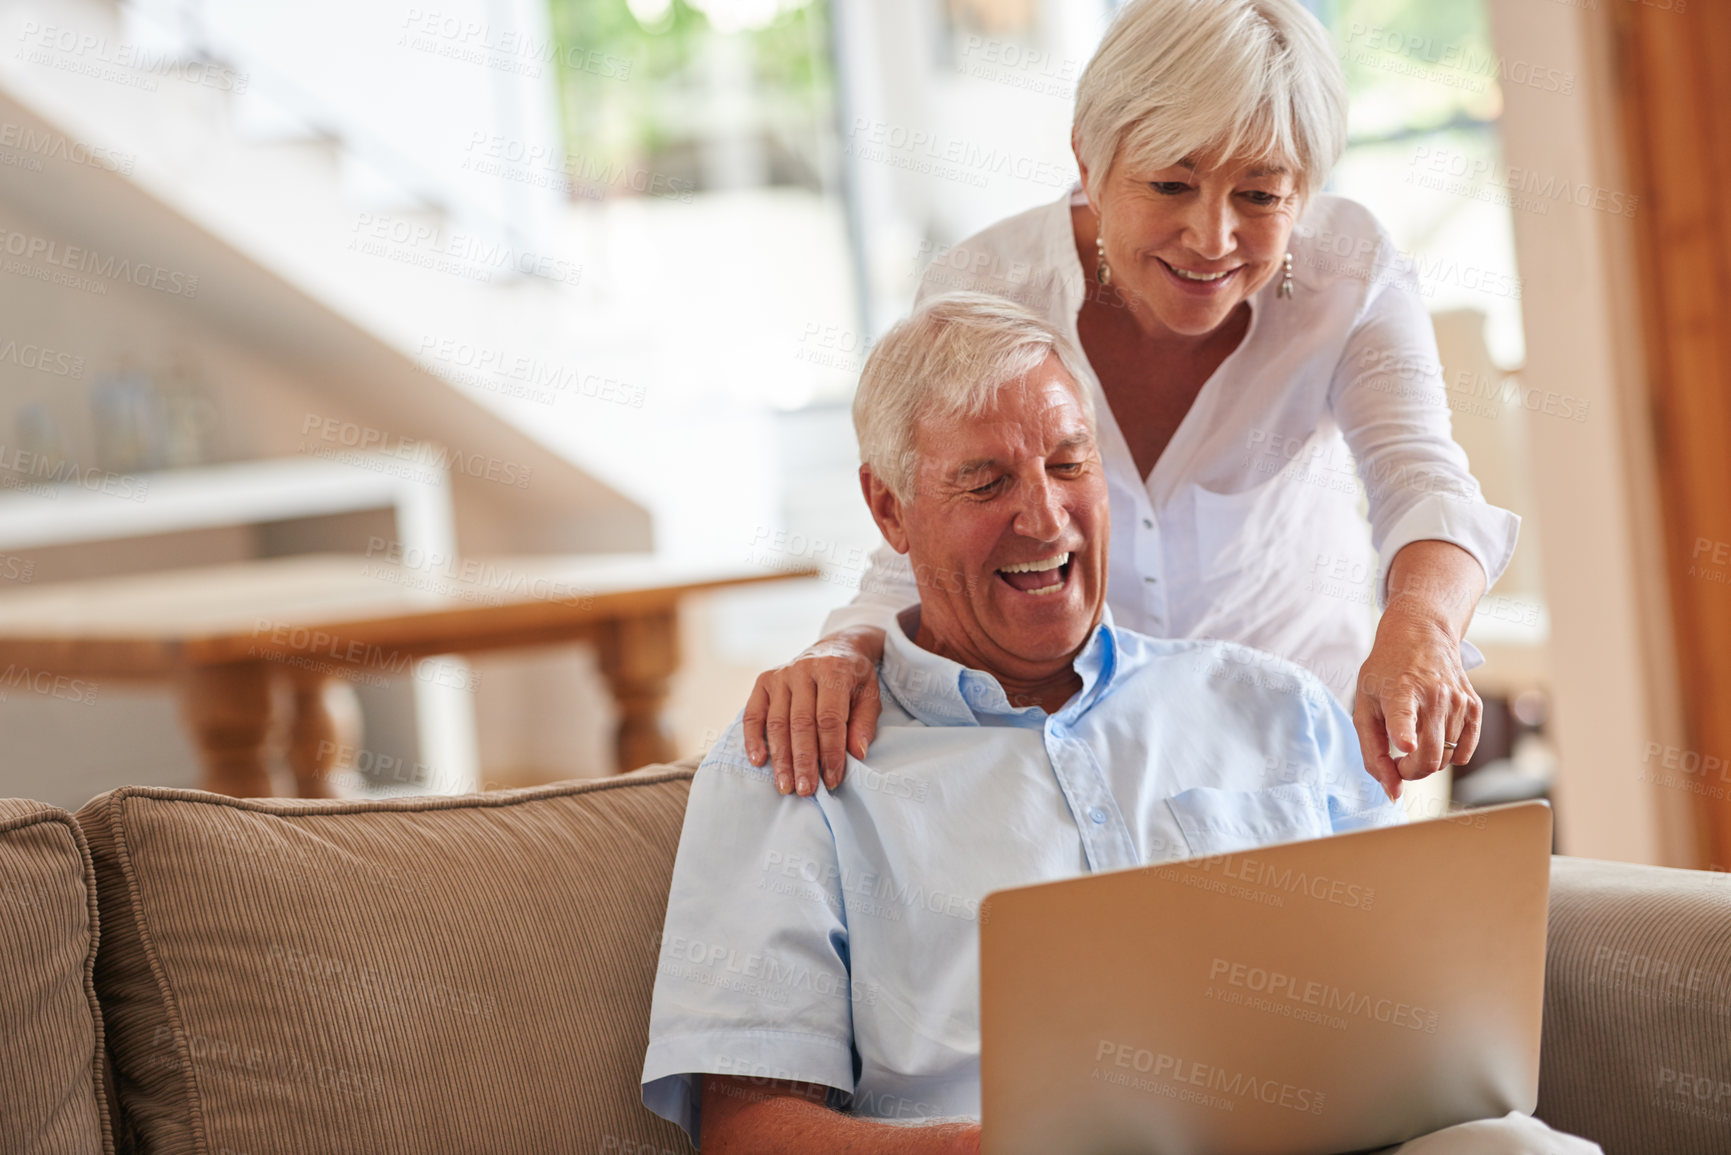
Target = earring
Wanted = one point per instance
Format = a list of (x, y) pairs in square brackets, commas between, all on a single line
[(1102, 271), (1285, 289)]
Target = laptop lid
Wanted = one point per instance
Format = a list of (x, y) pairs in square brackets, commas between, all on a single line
[(1310, 998)]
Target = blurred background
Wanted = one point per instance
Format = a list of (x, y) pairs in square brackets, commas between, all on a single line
[(632, 254)]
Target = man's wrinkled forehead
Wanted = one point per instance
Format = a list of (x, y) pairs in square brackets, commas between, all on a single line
[(1027, 419)]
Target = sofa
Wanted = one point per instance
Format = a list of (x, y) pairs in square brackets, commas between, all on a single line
[(191, 973)]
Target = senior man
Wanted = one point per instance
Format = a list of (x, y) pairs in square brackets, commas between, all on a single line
[(818, 989)]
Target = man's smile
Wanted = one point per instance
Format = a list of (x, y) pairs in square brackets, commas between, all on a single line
[(1039, 578)]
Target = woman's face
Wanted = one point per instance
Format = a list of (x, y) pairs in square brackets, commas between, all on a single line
[(1188, 243)]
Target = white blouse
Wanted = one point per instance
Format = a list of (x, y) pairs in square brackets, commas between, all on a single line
[(1249, 529)]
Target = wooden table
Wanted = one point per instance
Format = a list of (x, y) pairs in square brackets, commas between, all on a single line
[(226, 633)]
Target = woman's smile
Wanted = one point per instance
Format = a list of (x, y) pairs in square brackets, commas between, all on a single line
[(1203, 282)]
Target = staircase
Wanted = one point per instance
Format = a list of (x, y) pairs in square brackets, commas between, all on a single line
[(404, 168)]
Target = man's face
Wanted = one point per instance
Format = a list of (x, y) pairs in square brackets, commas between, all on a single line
[(1007, 530)]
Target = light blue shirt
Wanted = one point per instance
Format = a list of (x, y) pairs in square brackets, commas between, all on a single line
[(833, 939)]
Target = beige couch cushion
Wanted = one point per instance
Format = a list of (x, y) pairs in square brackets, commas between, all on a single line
[(1637, 1036), (419, 975), (50, 1027)]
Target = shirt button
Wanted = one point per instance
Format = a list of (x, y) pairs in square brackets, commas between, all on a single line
[(1153, 581), (1147, 523), (1098, 815)]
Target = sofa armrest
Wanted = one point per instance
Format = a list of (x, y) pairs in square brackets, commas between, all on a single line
[(1637, 1030)]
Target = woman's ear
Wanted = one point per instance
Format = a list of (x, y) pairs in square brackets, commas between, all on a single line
[(886, 509)]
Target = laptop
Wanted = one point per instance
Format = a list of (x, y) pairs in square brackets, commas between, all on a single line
[(1311, 998)]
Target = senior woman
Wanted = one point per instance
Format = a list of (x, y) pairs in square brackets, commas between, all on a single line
[(1247, 341)]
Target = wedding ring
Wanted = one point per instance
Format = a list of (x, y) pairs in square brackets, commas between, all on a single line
[(1450, 745)]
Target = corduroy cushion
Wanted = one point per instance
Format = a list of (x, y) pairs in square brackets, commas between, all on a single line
[(50, 1026), (1637, 1036), (417, 975)]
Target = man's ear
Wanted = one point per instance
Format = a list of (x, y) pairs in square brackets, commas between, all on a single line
[(886, 509)]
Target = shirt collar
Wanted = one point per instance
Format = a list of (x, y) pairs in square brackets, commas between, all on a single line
[(941, 692)]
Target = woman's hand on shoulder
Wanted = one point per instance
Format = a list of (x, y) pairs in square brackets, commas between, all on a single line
[(810, 714)]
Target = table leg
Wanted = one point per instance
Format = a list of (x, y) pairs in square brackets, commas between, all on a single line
[(227, 707), (325, 727), (639, 655)]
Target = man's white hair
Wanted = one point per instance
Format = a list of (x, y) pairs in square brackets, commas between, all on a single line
[(946, 363), (1255, 80)]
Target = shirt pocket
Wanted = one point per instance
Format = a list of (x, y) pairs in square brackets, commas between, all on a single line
[(1216, 821)]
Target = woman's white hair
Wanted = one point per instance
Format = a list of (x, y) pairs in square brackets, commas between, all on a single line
[(946, 363), (1254, 80)]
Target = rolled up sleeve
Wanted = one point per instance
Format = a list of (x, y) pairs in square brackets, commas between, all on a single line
[(753, 972), (1390, 400)]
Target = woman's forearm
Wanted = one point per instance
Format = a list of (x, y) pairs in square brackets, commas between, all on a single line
[(886, 587), (1437, 581), (1415, 710)]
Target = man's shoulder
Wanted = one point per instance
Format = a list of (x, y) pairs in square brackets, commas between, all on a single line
[(1214, 665), (1138, 652), (726, 759)]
